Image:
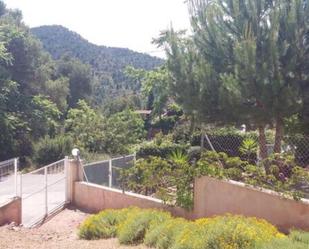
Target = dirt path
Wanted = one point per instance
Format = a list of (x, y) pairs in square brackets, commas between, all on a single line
[(58, 233)]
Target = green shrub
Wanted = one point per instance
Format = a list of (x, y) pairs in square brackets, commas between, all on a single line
[(162, 150), (49, 150), (192, 236), (159, 230), (227, 140), (104, 224), (284, 176), (283, 244), (163, 235), (165, 124), (161, 146), (194, 153), (146, 176), (133, 230), (238, 232), (300, 236), (182, 133), (249, 149), (226, 232), (296, 240), (161, 177)]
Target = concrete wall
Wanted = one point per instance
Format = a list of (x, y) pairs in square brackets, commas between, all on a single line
[(94, 198), (216, 197), (211, 197), (10, 212)]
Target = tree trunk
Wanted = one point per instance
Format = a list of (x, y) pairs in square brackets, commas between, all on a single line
[(202, 140), (262, 143), (263, 148), (278, 136), (192, 124)]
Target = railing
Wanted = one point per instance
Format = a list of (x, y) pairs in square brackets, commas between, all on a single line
[(8, 179), (8, 167), (43, 191), (106, 172)]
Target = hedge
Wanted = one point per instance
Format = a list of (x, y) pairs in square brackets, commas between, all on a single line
[(163, 150), (160, 230)]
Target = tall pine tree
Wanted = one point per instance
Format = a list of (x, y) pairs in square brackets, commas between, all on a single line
[(247, 62)]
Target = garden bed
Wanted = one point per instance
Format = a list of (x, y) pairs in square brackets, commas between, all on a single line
[(158, 229)]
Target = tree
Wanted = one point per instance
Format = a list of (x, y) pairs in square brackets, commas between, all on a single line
[(121, 103), (154, 86), (194, 83), (86, 127), (58, 92), (123, 130), (24, 70), (35, 91), (255, 55), (95, 133), (260, 50), (80, 79), (43, 118)]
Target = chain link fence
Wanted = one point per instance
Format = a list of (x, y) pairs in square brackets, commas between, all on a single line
[(107, 172), (298, 146), (294, 152), (245, 146)]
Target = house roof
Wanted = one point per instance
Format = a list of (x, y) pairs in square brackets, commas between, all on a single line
[(146, 112)]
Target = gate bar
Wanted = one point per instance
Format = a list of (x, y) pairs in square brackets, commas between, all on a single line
[(110, 175), (15, 175), (46, 198), (66, 175)]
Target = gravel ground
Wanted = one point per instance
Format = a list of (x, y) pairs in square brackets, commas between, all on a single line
[(60, 232)]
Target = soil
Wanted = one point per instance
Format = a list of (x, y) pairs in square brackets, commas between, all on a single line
[(60, 232)]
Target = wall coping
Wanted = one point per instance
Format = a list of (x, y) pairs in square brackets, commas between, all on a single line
[(121, 192), (256, 188)]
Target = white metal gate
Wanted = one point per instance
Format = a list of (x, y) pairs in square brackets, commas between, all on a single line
[(43, 192)]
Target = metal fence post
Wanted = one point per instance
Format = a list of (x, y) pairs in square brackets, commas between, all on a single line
[(21, 185), (110, 173), (46, 198), (15, 174), (66, 178)]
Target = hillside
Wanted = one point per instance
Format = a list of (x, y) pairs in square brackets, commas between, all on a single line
[(108, 62)]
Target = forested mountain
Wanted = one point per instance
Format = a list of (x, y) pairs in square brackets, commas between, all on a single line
[(108, 62), (52, 102)]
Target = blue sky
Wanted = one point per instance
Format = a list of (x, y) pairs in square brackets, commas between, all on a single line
[(117, 23)]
